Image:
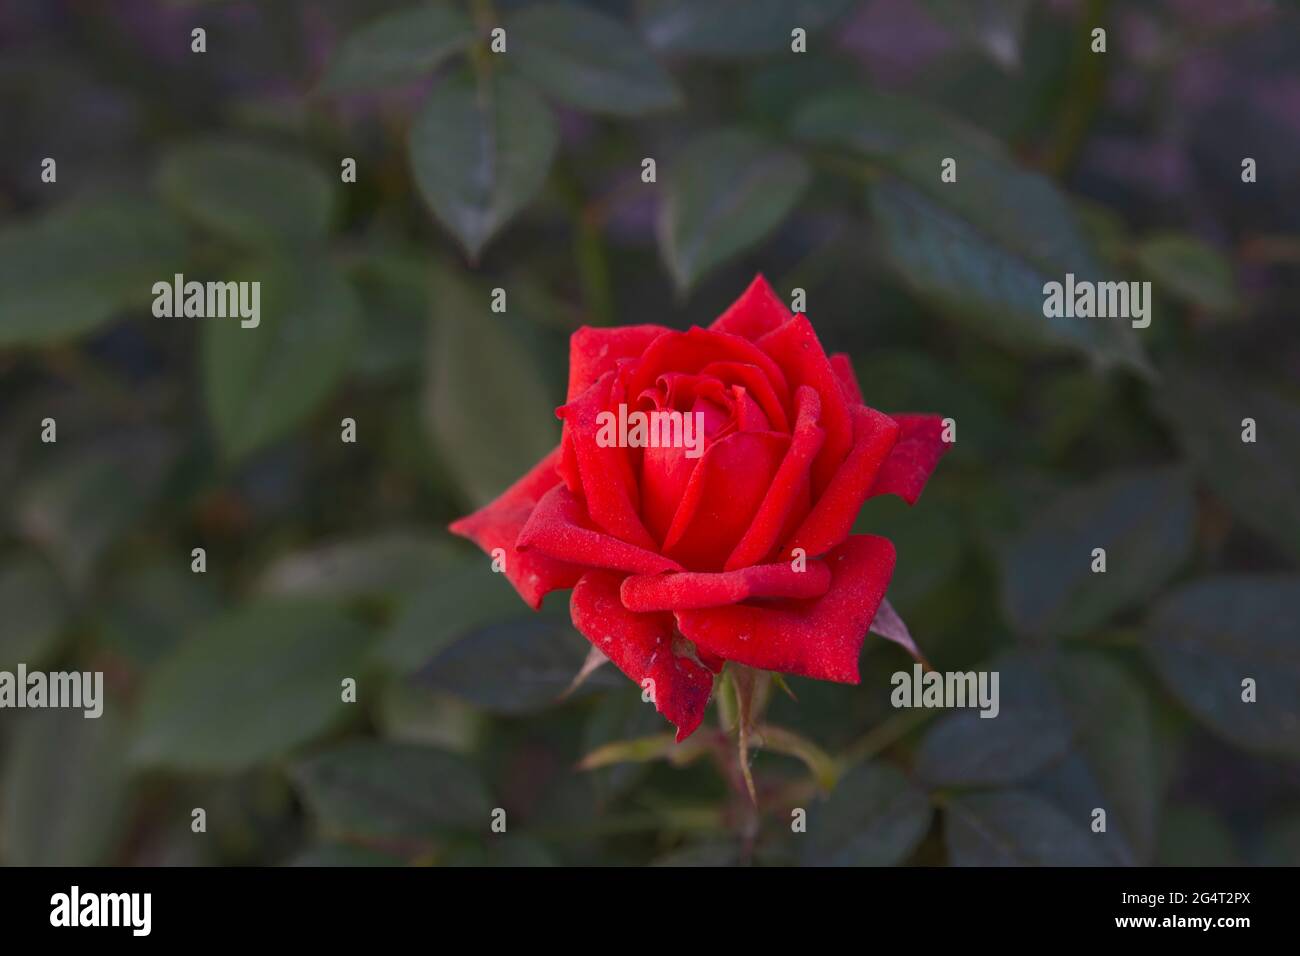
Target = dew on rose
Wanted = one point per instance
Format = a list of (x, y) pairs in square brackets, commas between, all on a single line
[(592, 516)]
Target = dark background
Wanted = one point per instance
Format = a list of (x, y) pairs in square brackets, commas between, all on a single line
[(522, 171)]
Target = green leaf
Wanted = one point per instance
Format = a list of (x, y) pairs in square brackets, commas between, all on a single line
[(488, 408), (399, 46), (261, 382), (35, 613), (873, 817), (1257, 480), (415, 716), (905, 378), (394, 289), (1115, 762), (1207, 638), (727, 191), (1279, 843), (388, 563), (729, 28), (1016, 828), (928, 552), (1030, 730), (75, 268), (981, 249), (1192, 836), (1143, 520), (883, 126), (776, 90), (994, 27), (250, 194), (618, 719), (515, 667), (64, 790), (152, 608), (480, 154), (452, 604), (1189, 270), (391, 791), (588, 60), (87, 497), (249, 687)]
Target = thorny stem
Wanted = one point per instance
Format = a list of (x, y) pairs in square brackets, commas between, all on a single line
[(739, 712), (745, 681)]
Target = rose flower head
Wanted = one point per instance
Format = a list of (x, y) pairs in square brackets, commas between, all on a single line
[(701, 498)]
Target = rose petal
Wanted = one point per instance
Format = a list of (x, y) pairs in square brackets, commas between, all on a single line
[(692, 350), (604, 473), (749, 414), (559, 528), (595, 351), (642, 646), (820, 638), (758, 311), (843, 367), (497, 525), (832, 517), (913, 459), (679, 391), (798, 352), (757, 384), (789, 488), (721, 497), (685, 590), (665, 473)]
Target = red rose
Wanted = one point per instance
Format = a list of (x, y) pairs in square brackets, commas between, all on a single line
[(680, 561)]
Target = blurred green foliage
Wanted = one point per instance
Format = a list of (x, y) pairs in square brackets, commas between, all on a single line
[(524, 170)]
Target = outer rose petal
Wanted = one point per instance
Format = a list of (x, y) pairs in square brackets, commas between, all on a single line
[(820, 638), (789, 488), (595, 351), (641, 646), (558, 528), (694, 589), (758, 311), (843, 367), (832, 517), (909, 466), (798, 351), (497, 525), (604, 474)]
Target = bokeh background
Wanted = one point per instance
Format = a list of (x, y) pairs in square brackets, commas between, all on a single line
[(523, 171)]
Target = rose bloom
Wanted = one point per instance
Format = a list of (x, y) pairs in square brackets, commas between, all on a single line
[(679, 561)]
